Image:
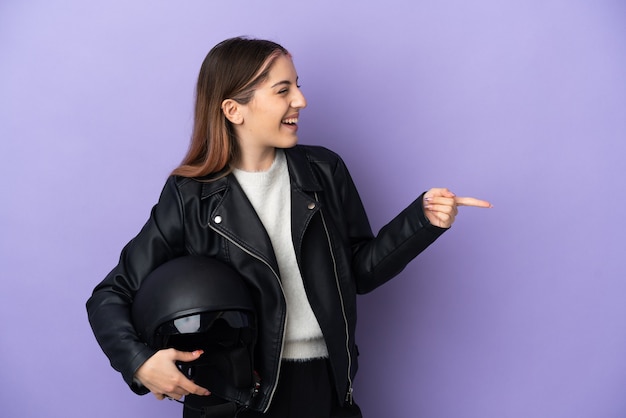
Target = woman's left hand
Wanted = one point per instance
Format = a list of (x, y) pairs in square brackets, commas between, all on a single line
[(441, 206)]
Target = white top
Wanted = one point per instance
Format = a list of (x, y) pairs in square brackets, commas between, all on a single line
[(270, 195)]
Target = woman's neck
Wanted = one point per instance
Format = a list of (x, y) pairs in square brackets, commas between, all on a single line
[(256, 159)]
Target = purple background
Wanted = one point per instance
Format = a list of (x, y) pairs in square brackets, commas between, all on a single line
[(516, 312)]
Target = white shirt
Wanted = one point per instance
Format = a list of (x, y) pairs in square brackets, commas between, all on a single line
[(270, 194)]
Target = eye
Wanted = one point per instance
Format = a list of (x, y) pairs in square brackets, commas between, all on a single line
[(283, 91)]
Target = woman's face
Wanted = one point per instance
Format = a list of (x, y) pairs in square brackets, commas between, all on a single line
[(270, 119)]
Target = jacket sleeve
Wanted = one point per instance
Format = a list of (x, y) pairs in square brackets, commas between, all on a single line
[(109, 307), (378, 258)]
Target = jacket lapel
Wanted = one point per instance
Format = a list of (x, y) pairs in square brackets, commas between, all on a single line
[(300, 171), (304, 184), (237, 220)]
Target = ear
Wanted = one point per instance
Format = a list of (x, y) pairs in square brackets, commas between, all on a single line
[(232, 111)]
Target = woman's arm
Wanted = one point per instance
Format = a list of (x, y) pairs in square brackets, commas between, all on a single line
[(109, 307), (377, 259)]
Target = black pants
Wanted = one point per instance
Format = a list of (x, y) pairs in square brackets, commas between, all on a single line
[(304, 391)]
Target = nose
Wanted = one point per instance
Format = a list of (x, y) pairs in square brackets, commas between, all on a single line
[(298, 101)]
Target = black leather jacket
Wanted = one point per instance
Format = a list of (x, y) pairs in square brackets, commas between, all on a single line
[(336, 251)]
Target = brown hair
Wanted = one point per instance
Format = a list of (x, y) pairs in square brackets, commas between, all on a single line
[(231, 70)]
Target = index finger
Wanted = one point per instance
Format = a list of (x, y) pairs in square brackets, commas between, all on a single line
[(470, 201), (191, 387)]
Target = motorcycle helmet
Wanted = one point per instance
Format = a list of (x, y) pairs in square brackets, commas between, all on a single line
[(199, 303)]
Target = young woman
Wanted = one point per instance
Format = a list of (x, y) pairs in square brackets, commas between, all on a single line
[(286, 217)]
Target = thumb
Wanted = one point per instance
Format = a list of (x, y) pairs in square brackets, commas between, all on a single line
[(187, 356)]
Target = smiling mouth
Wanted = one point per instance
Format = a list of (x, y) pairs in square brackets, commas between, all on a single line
[(290, 121)]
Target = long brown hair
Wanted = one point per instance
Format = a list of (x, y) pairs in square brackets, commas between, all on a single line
[(231, 70)]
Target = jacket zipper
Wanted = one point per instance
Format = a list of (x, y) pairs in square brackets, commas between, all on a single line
[(349, 397), (282, 342)]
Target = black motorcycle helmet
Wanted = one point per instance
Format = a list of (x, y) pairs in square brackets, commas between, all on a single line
[(199, 303)]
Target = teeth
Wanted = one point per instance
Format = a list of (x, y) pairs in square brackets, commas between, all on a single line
[(290, 121)]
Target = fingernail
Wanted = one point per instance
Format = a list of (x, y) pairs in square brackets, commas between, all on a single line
[(198, 353), (428, 198)]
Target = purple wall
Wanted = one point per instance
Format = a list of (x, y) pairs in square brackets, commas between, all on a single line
[(517, 312)]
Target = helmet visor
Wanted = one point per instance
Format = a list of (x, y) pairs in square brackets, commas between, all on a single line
[(208, 331)]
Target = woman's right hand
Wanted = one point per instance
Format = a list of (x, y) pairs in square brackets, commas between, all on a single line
[(163, 378)]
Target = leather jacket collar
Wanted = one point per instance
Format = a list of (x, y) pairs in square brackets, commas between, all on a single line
[(299, 172)]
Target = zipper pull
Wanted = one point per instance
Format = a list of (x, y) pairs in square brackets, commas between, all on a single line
[(349, 397), (257, 383)]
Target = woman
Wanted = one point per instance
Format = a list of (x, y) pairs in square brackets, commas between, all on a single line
[(287, 218)]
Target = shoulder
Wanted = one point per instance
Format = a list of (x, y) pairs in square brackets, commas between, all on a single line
[(317, 153), (181, 183), (195, 187), (316, 167), (318, 156)]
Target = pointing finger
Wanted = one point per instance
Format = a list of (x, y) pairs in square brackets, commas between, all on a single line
[(470, 201)]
